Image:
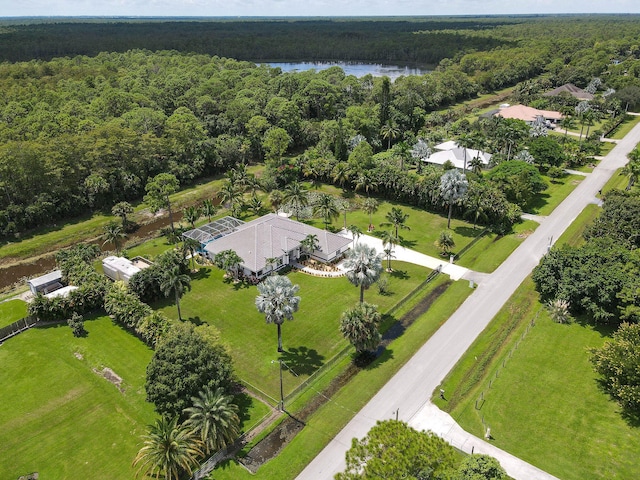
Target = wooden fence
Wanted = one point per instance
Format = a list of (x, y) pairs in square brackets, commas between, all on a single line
[(17, 327)]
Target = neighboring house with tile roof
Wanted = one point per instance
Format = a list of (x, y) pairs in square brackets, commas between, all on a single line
[(571, 89), (530, 115), (273, 237)]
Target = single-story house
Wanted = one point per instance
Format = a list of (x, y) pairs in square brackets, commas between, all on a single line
[(46, 283), (530, 115), (451, 152), (571, 89), (120, 268), (270, 242)]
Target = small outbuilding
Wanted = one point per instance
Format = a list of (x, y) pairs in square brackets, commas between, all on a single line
[(46, 283), (61, 292), (120, 268)]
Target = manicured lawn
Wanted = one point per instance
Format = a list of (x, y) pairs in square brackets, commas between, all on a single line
[(12, 311), (626, 127), (59, 417), (310, 340), (558, 189), (325, 423), (617, 180)]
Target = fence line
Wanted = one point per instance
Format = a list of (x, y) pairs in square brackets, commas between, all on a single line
[(480, 400), (472, 243), (17, 327)]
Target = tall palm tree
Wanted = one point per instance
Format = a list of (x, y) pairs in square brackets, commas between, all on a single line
[(208, 209), (567, 122), (278, 302), (326, 208), (389, 240), (453, 187), (296, 195), (390, 132), (465, 142), (396, 218), (191, 214), (366, 181), (169, 449), (476, 165), (255, 204), (364, 266), (359, 325), (229, 261), (341, 174), (177, 283), (632, 168), (230, 194), (370, 206), (356, 232), (113, 233), (191, 246), (214, 417)]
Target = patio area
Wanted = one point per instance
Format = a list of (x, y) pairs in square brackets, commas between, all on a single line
[(319, 269)]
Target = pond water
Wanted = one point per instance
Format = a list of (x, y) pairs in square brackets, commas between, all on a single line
[(353, 68)]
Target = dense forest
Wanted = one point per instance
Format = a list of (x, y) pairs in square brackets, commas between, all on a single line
[(80, 133)]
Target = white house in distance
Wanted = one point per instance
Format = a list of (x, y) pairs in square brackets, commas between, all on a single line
[(450, 152), (270, 237)]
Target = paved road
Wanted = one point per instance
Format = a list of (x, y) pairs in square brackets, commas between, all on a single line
[(409, 390)]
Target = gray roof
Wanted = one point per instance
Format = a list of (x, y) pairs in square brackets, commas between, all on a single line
[(271, 236), (50, 277), (572, 90)]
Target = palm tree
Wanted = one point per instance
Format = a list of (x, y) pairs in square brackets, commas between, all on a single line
[(476, 165), (465, 142), (389, 131), (404, 152), (122, 210), (475, 203), (191, 245), (296, 195), (310, 244), (278, 301), (214, 417), (396, 218), (326, 208), (366, 181), (229, 261), (364, 266), (176, 282), (389, 240), (370, 206), (632, 168), (567, 122), (230, 193), (341, 174), (356, 232), (208, 209), (113, 234), (255, 204), (453, 186), (445, 242), (191, 214), (359, 325), (169, 449)]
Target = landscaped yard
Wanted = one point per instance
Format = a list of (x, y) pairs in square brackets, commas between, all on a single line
[(62, 419), (554, 194), (12, 311), (310, 340)]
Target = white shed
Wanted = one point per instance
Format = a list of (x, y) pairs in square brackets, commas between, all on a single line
[(119, 268), (46, 283)]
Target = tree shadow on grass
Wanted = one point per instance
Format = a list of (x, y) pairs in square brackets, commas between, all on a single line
[(382, 355), (629, 415), (302, 360), (195, 320), (536, 203), (467, 231), (201, 274), (401, 274), (244, 403)]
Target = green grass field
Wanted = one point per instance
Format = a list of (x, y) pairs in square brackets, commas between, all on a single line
[(554, 194), (58, 416), (12, 311), (310, 340)]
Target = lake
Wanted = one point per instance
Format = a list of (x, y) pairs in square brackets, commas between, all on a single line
[(355, 69)]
